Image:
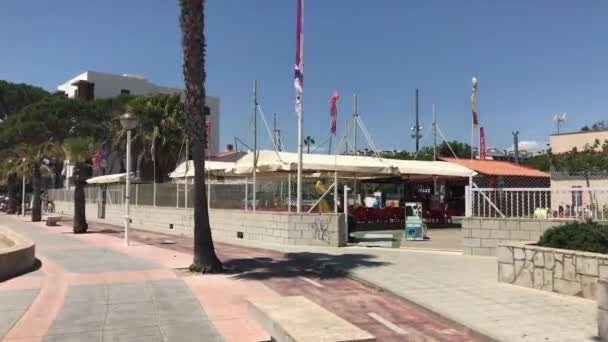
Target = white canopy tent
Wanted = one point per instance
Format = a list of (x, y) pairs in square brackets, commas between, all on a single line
[(186, 169), (108, 179), (270, 161)]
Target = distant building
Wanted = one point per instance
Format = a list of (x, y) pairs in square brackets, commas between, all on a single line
[(568, 188), (91, 85), (565, 142)]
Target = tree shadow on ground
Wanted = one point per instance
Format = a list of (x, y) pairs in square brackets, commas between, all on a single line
[(322, 265)]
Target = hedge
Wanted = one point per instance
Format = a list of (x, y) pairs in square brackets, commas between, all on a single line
[(583, 236)]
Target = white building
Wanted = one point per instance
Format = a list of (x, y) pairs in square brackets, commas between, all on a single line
[(91, 85)]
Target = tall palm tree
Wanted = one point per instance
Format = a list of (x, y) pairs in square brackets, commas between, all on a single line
[(192, 21), (79, 151), (31, 161)]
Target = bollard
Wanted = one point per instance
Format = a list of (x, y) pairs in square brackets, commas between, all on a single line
[(602, 309)]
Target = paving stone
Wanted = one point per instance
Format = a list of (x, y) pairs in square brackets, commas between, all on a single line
[(91, 336), (17, 299), (204, 332), (96, 260), (90, 294), (133, 334), (128, 293), (7, 319)]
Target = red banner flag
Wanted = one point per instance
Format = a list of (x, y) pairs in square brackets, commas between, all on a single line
[(482, 144), (333, 111)]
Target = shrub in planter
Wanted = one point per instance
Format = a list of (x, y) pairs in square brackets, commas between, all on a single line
[(583, 236)]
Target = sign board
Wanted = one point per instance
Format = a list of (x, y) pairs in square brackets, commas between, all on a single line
[(414, 227)]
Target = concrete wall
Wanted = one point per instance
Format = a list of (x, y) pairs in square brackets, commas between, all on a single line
[(568, 272), (279, 228), (18, 257), (481, 236)]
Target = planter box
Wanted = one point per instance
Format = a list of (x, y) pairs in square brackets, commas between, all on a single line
[(564, 271)]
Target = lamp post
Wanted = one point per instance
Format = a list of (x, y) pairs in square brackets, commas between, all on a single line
[(128, 121)]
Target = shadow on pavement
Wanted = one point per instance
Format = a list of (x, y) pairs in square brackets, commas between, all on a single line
[(325, 266)]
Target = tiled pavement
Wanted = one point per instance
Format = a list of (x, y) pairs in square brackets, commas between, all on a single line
[(95, 292), (98, 302), (134, 311), (465, 290)]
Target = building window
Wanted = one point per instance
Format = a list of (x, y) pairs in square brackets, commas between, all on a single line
[(125, 92), (577, 197)]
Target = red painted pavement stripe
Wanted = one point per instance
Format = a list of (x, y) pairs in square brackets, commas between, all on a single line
[(37, 320)]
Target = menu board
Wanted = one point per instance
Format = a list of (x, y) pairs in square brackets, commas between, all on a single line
[(414, 227)]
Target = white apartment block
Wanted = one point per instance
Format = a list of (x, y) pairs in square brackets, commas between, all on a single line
[(91, 85)]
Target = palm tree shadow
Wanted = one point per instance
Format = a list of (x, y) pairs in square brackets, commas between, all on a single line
[(324, 266)]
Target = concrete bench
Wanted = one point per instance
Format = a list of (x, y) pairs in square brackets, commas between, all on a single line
[(52, 220), (290, 319)]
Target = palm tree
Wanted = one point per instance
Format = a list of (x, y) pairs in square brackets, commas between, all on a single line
[(30, 162), (79, 151), (159, 133), (192, 21)]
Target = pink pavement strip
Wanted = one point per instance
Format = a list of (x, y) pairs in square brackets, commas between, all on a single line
[(228, 311), (30, 282), (37, 320)]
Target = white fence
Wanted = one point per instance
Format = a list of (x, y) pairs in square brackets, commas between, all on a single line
[(271, 194), (541, 203)]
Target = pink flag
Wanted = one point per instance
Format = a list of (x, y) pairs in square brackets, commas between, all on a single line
[(482, 144), (299, 66), (333, 111)]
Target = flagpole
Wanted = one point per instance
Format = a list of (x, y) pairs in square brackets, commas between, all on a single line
[(300, 105)]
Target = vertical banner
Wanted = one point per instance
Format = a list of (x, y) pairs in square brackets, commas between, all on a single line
[(299, 66), (474, 119), (482, 144), (333, 111)]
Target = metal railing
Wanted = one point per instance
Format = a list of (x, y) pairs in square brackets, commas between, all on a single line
[(540, 203)]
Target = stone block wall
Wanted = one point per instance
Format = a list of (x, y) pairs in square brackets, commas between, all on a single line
[(480, 236), (564, 271), (228, 225)]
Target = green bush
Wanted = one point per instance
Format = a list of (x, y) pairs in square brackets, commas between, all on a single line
[(584, 236)]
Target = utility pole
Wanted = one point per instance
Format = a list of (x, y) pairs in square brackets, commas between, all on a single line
[(274, 132), (255, 138), (434, 134), (417, 127), (355, 122), (516, 146)]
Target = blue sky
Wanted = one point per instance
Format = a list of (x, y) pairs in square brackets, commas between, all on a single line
[(533, 59)]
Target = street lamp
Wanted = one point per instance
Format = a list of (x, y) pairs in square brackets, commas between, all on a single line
[(128, 121)]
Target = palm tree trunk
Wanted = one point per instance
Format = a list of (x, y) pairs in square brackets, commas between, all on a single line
[(80, 221), (12, 194), (192, 20), (36, 205)]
